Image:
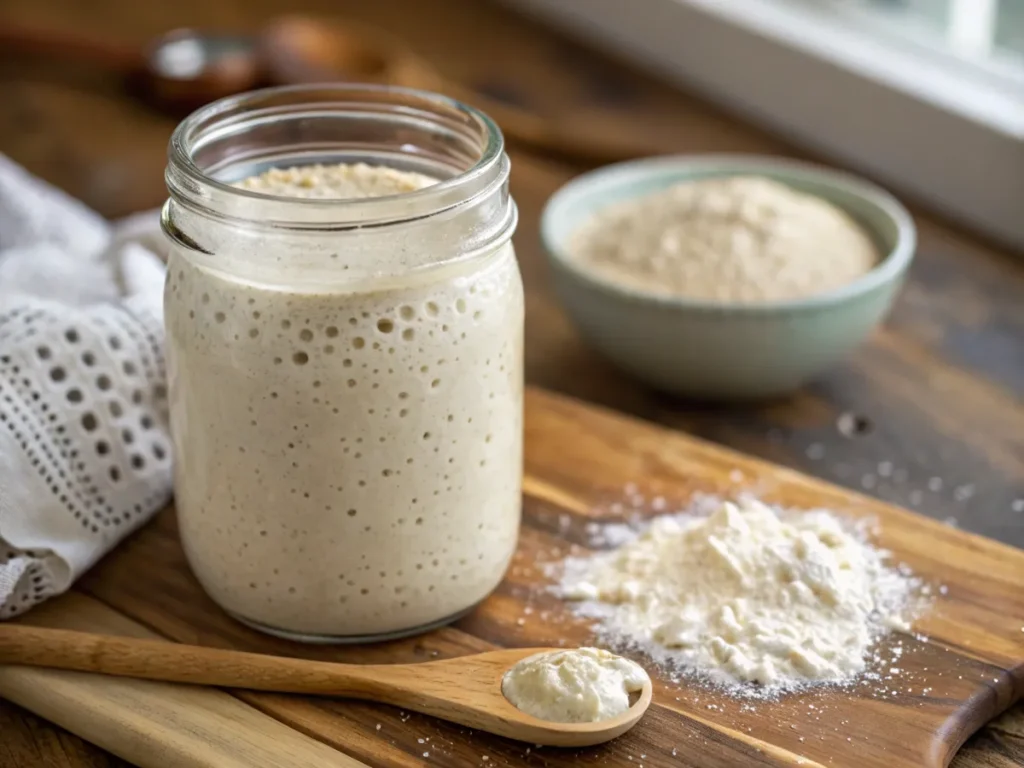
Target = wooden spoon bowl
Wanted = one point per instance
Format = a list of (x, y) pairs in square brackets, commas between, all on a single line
[(301, 49), (465, 690)]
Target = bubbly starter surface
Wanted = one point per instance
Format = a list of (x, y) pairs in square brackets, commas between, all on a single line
[(348, 463)]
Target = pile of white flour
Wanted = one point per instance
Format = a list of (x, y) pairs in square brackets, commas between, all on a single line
[(745, 596)]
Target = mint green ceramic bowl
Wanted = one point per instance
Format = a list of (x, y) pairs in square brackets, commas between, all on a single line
[(725, 351)]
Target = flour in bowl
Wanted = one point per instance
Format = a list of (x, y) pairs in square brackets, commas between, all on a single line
[(745, 596), (739, 239)]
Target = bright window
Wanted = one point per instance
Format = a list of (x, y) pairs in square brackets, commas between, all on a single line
[(925, 95), (988, 34), (990, 31)]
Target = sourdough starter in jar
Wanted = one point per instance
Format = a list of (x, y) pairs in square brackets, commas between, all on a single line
[(349, 460)]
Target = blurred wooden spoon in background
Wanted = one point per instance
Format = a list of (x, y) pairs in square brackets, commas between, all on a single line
[(186, 68)]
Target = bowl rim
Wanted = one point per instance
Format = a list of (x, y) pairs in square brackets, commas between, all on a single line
[(891, 266)]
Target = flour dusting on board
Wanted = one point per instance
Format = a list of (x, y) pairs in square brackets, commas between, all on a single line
[(752, 598)]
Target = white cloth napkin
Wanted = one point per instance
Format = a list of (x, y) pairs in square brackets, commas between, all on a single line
[(85, 454)]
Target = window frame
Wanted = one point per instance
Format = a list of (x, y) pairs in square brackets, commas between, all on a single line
[(935, 126)]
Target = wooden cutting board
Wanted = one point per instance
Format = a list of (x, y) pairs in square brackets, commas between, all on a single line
[(963, 665), (173, 726)]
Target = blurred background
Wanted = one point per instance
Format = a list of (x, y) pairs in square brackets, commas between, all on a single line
[(886, 87), (974, 29), (927, 95), (986, 29)]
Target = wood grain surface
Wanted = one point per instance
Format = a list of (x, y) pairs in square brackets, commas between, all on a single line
[(928, 414), (157, 724), (962, 665)]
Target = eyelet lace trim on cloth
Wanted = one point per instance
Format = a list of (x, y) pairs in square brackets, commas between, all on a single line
[(83, 429)]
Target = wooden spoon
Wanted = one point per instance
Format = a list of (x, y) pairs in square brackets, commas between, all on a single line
[(178, 71), (303, 49), (187, 68), (465, 690)]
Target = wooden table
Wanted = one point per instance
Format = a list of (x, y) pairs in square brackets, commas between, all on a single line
[(934, 398)]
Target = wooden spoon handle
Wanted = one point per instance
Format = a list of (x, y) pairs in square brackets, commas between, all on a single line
[(546, 134), (303, 49), (173, 662), (71, 46)]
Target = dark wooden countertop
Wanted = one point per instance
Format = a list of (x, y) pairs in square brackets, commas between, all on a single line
[(937, 392)]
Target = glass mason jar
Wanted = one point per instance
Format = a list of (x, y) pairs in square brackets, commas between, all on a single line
[(345, 375)]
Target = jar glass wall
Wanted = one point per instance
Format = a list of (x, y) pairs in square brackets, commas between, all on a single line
[(345, 375)]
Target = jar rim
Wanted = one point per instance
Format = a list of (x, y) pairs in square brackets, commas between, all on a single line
[(190, 184)]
